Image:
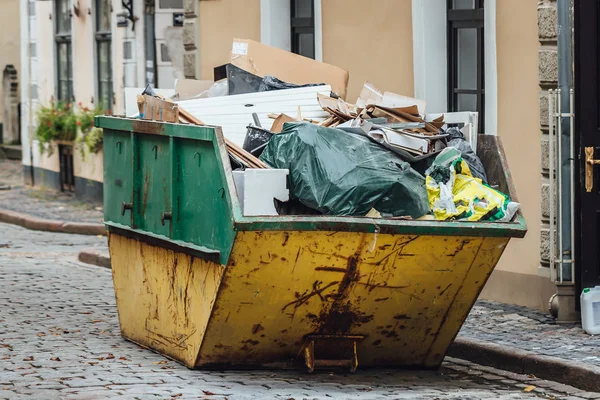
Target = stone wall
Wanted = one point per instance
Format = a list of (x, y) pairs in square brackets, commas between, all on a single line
[(190, 40), (548, 79)]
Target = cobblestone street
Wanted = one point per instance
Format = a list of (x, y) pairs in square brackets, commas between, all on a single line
[(59, 339)]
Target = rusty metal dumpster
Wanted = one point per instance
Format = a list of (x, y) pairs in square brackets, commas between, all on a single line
[(198, 282)]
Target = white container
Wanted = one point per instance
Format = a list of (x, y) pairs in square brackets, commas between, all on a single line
[(590, 310)]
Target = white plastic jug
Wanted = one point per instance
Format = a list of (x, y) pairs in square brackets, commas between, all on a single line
[(590, 310)]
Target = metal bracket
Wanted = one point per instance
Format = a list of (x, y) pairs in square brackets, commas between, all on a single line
[(125, 207), (309, 352)]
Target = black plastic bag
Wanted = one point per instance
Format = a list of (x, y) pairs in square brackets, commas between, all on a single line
[(269, 83), (340, 173), (457, 140)]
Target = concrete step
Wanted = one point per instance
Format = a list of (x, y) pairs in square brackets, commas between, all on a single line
[(12, 152)]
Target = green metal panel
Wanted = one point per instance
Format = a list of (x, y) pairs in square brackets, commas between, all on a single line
[(153, 184), (118, 175), (200, 195), (178, 169)]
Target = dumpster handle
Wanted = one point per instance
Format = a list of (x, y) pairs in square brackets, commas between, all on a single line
[(199, 157), (155, 150), (165, 215), (119, 146), (125, 207)]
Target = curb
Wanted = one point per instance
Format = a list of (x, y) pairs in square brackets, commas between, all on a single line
[(573, 373), (51, 225), (95, 257)]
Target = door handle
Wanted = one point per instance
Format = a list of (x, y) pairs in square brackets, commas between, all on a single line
[(589, 168)]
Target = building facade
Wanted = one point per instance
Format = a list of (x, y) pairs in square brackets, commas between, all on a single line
[(85, 52), (10, 65)]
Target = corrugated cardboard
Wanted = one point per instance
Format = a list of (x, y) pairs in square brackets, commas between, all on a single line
[(262, 60)]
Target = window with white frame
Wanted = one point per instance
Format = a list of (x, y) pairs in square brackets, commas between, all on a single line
[(466, 61), (103, 51), (64, 71), (303, 27)]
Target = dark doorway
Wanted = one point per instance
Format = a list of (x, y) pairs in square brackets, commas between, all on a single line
[(587, 136), (67, 177)]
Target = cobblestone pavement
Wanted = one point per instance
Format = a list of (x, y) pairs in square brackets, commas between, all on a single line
[(531, 330), (44, 203), (59, 339)]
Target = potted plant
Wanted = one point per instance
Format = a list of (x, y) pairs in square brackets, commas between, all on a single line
[(56, 123), (90, 138)]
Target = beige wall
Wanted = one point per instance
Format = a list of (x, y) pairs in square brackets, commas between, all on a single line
[(518, 126), (89, 166), (373, 45), (10, 47), (84, 55), (219, 23)]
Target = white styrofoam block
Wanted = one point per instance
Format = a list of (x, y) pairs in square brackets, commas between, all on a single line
[(260, 187), (238, 180)]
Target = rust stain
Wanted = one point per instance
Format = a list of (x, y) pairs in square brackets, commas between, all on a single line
[(459, 248), (382, 286), (446, 288), (286, 237), (331, 269), (145, 201), (304, 298), (341, 316), (401, 316), (399, 250), (257, 328), (152, 128), (381, 299)]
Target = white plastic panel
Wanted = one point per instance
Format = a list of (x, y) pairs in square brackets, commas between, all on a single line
[(234, 113)]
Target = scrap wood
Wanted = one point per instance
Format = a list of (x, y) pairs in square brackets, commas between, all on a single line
[(339, 114), (401, 115), (157, 109), (239, 154)]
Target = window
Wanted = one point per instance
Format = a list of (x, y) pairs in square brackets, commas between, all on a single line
[(466, 77), (63, 51), (303, 27), (103, 51)]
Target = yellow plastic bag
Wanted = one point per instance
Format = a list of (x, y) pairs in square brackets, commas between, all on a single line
[(454, 193)]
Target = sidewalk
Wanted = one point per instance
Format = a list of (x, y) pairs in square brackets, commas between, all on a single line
[(44, 209), (527, 341)]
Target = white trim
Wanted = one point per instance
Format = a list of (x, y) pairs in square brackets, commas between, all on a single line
[(318, 30), (491, 71), (275, 24), (275, 28), (430, 61)]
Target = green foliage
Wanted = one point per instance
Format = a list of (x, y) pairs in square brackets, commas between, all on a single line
[(57, 122), (90, 139)]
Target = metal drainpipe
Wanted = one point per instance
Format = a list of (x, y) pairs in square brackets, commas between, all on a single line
[(30, 105), (565, 83)]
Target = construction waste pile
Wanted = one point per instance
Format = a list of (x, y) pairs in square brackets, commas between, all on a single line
[(297, 147)]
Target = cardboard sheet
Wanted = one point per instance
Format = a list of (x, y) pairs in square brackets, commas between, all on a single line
[(262, 60)]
